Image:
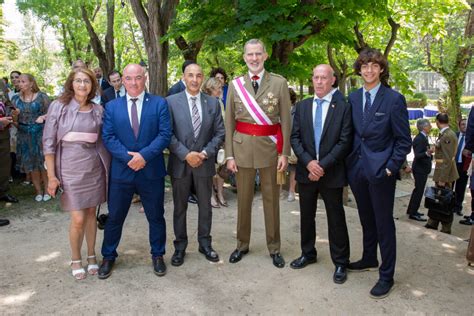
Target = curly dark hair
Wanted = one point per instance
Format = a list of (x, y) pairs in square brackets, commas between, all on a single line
[(218, 70), (68, 92), (372, 55)]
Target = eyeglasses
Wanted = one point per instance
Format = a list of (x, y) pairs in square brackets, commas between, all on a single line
[(86, 82)]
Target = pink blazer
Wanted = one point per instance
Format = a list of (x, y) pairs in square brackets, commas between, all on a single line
[(59, 121)]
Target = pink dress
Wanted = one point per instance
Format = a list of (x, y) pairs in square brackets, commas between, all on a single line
[(82, 171)]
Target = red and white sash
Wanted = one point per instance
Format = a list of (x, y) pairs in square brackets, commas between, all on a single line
[(251, 105)]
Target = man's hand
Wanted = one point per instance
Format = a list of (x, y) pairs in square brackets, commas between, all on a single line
[(194, 159), (407, 169), (5, 121), (137, 162), (466, 153), (315, 170), (232, 166), (282, 163)]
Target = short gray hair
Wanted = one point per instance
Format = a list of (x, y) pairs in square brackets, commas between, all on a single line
[(255, 41), (422, 123)]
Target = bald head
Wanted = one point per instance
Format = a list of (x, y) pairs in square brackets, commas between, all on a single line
[(323, 80), (134, 79)]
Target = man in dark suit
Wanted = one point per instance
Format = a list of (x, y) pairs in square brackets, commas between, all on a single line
[(103, 83), (421, 168), (136, 130), (198, 131), (321, 139), (463, 160), (117, 89), (381, 142), (180, 85)]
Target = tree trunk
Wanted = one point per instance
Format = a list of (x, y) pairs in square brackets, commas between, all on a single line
[(154, 23), (106, 58), (189, 50), (454, 101)]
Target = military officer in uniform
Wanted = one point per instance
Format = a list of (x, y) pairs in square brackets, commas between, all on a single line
[(445, 172), (258, 123)]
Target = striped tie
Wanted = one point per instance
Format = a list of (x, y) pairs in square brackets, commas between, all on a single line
[(196, 118)]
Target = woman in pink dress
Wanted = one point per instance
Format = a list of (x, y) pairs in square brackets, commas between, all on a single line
[(77, 162)]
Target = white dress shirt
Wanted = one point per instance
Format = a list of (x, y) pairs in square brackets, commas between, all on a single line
[(139, 104)]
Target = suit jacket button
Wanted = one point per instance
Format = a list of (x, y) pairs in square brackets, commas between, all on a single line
[(363, 139)]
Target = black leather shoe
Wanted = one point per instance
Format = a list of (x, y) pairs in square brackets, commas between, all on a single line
[(417, 218), (467, 221), (301, 262), (105, 269), (420, 214), (159, 266), (9, 198), (459, 213), (4, 222), (210, 254), (178, 258), (237, 255), (192, 199), (340, 275), (430, 227), (381, 289), (360, 266), (278, 260)]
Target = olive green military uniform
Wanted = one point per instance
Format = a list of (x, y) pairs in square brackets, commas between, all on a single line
[(258, 152), (445, 171)]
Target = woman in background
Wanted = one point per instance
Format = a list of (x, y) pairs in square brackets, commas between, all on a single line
[(213, 87), (31, 106)]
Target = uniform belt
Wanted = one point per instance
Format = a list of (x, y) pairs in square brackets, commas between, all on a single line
[(261, 130)]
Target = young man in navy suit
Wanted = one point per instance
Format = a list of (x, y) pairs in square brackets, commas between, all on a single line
[(136, 130), (381, 142)]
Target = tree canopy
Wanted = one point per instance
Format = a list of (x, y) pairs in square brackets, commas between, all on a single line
[(299, 34)]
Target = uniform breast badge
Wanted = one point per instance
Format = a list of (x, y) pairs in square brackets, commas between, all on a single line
[(270, 102)]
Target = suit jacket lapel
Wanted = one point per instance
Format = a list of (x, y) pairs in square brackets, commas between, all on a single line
[(248, 85), (264, 84), (205, 113), (358, 109), (329, 115), (144, 115), (308, 116)]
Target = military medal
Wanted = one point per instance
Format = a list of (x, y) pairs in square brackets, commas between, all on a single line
[(270, 109)]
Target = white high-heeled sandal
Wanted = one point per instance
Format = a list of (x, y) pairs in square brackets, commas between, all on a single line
[(80, 273), (92, 269)]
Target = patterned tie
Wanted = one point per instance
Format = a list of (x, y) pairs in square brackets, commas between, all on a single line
[(318, 124), (255, 83), (367, 106), (196, 118), (135, 123), (459, 150)]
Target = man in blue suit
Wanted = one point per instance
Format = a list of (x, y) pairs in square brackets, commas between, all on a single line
[(381, 142), (136, 130)]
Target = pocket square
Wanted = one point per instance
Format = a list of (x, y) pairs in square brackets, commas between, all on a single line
[(379, 114)]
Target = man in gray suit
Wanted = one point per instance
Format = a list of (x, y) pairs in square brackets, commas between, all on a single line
[(198, 131)]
